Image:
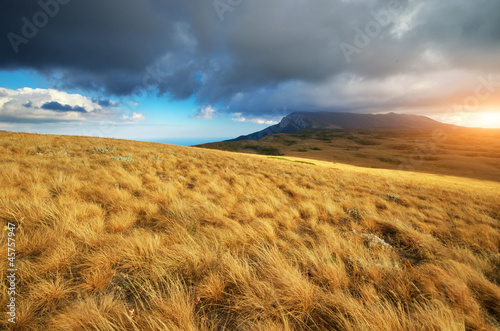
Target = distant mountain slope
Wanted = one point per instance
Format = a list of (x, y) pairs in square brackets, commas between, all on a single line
[(305, 120), (464, 152)]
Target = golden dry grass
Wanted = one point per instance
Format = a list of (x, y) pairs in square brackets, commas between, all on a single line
[(121, 235), (468, 152)]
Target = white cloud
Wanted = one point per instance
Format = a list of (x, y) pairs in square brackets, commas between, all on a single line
[(205, 113), (240, 118), (136, 117), (27, 105)]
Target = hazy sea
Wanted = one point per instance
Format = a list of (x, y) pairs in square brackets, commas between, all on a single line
[(185, 141)]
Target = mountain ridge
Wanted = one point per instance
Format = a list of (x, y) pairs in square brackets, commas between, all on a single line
[(297, 121)]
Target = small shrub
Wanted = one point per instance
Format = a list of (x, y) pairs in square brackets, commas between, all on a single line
[(324, 137), (289, 142), (302, 135), (392, 197), (103, 150), (264, 150), (123, 159), (388, 160), (402, 147), (375, 241), (367, 142)]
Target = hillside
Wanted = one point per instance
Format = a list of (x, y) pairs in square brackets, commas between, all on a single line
[(298, 121), (122, 235), (468, 152)]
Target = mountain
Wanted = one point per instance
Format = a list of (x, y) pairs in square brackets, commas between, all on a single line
[(335, 120)]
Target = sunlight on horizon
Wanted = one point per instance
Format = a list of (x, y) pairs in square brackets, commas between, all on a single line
[(490, 119), (487, 119)]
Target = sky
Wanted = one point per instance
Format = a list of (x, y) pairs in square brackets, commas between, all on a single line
[(214, 69)]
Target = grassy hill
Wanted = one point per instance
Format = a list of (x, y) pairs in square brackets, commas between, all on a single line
[(114, 235), (466, 152)]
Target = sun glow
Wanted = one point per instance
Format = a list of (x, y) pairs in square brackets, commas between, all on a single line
[(489, 119)]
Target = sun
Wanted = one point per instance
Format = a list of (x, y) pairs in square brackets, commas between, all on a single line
[(488, 119)]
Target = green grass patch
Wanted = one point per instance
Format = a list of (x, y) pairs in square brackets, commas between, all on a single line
[(285, 159)]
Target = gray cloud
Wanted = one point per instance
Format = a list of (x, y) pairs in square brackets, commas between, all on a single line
[(265, 56), (56, 106)]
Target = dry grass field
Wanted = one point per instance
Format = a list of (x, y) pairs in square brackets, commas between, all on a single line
[(473, 153), (122, 235)]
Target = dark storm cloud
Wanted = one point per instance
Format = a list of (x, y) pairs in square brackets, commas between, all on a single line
[(112, 41), (56, 106), (106, 103), (264, 56)]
